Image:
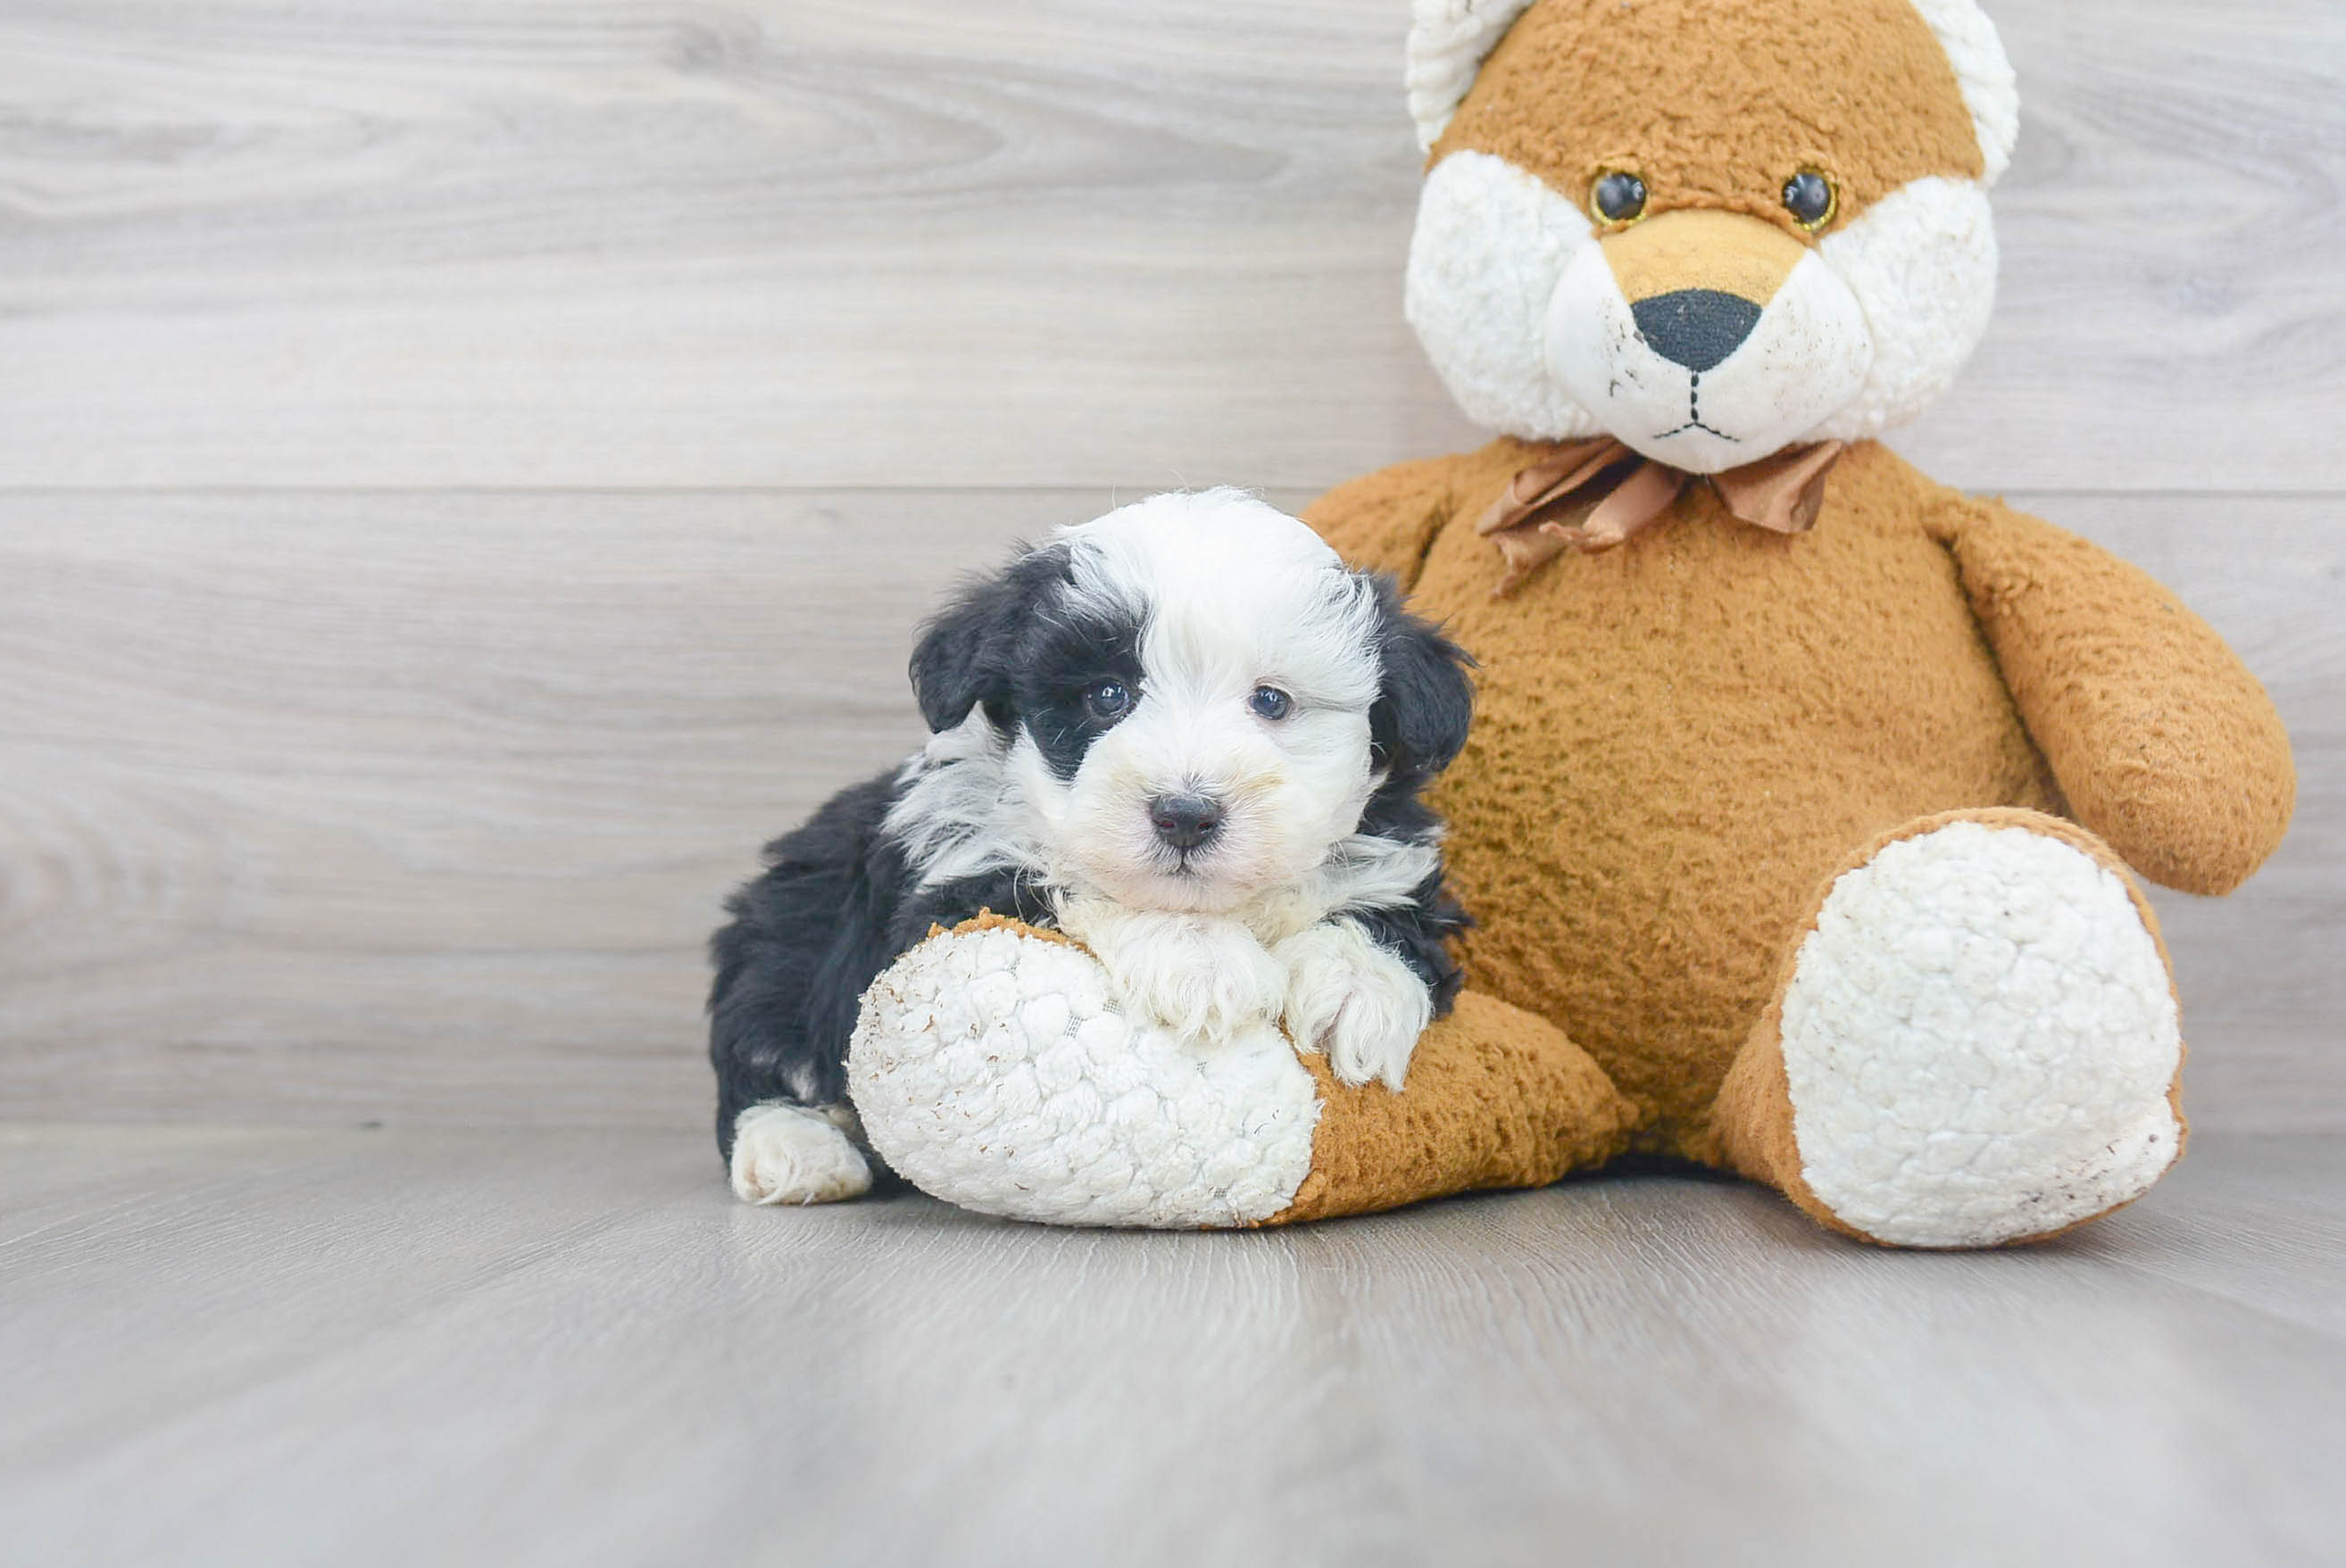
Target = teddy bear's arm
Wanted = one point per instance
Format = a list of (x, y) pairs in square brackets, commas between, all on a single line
[(1386, 521), (2161, 739)]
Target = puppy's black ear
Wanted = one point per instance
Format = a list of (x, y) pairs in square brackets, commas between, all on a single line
[(1424, 701), (968, 651)]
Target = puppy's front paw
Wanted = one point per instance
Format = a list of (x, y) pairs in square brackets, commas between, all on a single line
[(797, 1154), (1355, 999), (1201, 979)]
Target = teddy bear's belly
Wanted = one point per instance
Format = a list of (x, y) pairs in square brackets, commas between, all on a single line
[(1676, 744)]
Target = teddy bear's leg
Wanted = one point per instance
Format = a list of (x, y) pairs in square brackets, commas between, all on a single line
[(992, 1069), (1974, 1041), (1495, 1097)]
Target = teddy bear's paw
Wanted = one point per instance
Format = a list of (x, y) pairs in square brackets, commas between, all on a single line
[(797, 1154), (1979, 1039), (995, 1069), (1356, 1001)]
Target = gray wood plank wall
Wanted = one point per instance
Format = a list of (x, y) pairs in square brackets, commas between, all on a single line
[(467, 472)]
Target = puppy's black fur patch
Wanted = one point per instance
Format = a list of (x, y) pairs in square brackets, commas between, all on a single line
[(1417, 726), (1426, 703), (970, 653)]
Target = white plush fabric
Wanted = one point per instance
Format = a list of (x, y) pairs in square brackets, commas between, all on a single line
[(1448, 42), (1510, 293), (1810, 353), (1979, 1038), (991, 1071), (1493, 243), (1921, 263), (1450, 39)]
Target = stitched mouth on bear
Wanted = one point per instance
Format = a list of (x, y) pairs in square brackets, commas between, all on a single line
[(1694, 412)]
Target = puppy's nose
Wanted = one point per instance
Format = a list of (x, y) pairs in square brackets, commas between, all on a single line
[(1184, 821), (1697, 328)]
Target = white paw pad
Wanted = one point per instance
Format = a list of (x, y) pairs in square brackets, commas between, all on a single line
[(797, 1154), (1979, 1038), (991, 1070), (1351, 998)]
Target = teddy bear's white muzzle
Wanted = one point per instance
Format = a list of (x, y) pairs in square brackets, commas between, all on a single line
[(1704, 380)]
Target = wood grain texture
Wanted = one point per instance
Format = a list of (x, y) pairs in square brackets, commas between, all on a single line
[(339, 807), (332, 805), (285, 1346), (852, 243)]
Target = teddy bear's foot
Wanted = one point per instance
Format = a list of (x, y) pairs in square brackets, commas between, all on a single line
[(993, 1069), (1977, 1042)]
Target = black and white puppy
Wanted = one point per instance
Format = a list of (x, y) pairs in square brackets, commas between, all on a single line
[(1183, 734)]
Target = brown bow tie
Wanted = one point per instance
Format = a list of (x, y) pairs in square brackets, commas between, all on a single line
[(1780, 494)]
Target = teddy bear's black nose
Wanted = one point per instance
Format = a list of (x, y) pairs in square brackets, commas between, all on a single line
[(1184, 821), (1697, 328)]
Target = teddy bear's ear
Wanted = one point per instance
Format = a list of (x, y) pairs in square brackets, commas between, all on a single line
[(1450, 39), (967, 653), (1448, 42), (1424, 700), (1984, 71)]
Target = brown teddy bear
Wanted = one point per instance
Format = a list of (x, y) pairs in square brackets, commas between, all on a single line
[(1805, 799)]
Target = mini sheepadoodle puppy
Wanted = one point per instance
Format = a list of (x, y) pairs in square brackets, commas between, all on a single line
[(1185, 736)]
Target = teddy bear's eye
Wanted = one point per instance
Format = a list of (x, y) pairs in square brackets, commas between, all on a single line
[(1810, 199), (1617, 197)]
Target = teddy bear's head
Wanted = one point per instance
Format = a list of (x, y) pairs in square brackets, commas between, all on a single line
[(1709, 229)]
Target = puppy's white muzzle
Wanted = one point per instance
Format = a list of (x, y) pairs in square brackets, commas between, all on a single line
[(1133, 824)]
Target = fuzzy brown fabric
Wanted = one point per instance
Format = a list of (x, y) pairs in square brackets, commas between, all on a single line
[(1700, 249), (1495, 1098), (1679, 740), (1716, 107), (986, 919), (2162, 741), (1751, 1125)]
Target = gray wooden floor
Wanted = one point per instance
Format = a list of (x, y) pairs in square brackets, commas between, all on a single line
[(257, 1347)]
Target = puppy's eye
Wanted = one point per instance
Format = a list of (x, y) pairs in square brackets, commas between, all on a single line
[(1269, 702), (1810, 199), (1617, 197), (1106, 700)]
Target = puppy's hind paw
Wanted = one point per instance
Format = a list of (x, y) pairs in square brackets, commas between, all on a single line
[(797, 1154)]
